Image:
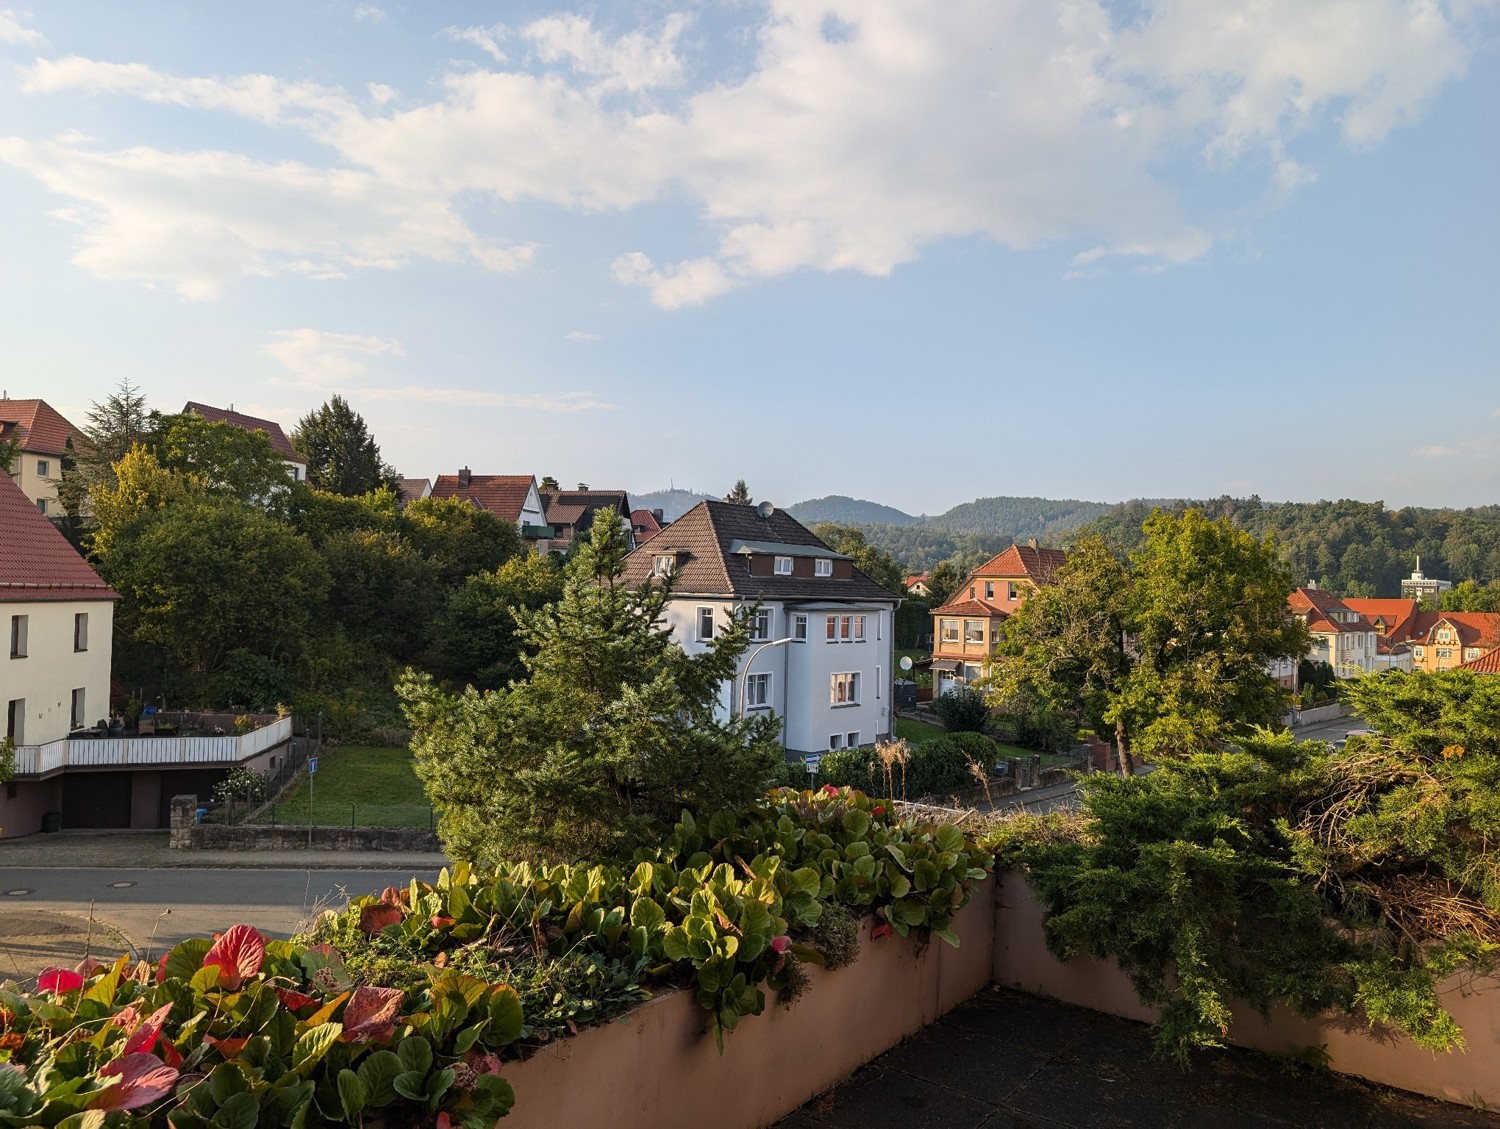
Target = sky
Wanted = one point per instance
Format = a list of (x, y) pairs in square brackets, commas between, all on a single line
[(917, 252)]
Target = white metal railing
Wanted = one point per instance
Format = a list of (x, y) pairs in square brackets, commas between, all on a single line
[(127, 752)]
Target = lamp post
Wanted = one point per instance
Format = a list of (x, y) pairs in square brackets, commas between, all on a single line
[(745, 674)]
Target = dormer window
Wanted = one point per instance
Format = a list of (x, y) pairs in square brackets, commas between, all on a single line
[(822, 566), (663, 565), (783, 567)]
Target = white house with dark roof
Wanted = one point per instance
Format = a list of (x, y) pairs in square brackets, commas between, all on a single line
[(296, 465), (824, 639)]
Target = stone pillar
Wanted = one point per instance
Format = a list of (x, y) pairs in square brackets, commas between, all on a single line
[(184, 813)]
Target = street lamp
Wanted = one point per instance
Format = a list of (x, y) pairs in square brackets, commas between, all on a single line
[(745, 674)]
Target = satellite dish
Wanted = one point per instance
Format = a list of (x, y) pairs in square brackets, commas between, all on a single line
[(905, 662), (765, 509)]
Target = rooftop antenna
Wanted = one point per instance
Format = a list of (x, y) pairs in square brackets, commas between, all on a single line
[(765, 509)]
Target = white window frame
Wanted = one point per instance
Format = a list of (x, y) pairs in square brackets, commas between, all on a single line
[(977, 633), (709, 612), (851, 740), (758, 690), (43, 468), (799, 627), (41, 504), (846, 629), (835, 741), (859, 628), (1011, 591), (843, 689), (943, 626), (760, 625), (989, 589), (833, 629), (663, 565), (822, 566), (782, 566)]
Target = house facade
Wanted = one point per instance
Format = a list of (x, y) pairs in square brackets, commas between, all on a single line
[(823, 645), (296, 465), (1428, 640), (511, 497), (966, 628), (1341, 636), (571, 512), (42, 436)]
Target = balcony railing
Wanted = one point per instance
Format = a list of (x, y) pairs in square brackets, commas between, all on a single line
[(148, 752)]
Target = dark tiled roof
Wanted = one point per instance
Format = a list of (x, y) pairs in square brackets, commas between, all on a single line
[(575, 509), (503, 495), (37, 424), (411, 489), (36, 561), (1037, 565), (708, 568), (279, 441)]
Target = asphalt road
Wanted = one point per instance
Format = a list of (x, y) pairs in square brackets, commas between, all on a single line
[(159, 907)]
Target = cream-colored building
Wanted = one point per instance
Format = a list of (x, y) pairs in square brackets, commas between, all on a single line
[(42, 435)]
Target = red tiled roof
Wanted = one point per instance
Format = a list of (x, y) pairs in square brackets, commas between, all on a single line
[(503, 495), (645, 525), (279, 441), (1487, 663), (36, 561), (1037, 565), (37, 424), (1474, 629), (971, 607), (1318, 606), (1397, 614)]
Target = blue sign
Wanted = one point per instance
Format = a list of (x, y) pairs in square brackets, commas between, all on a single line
[(810, 761), (312, 764)]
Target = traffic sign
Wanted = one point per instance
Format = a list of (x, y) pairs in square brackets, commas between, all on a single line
[(810, 761), (312, 764)]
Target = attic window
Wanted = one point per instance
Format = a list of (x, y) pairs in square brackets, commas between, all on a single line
[(663, 565), (783, 566), (822, 566)]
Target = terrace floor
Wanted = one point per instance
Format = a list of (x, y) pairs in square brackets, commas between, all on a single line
[(1006, 1060)]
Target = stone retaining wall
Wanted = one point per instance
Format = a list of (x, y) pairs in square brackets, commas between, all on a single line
[(190, 836)]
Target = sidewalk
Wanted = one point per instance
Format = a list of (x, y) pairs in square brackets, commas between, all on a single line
[(148, 849)]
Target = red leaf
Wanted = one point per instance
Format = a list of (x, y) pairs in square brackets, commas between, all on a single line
[(376, 916), (237, 955), (781, 944), (370, 1013), (58, 980), (143, 1038), (441, 922), (391, 896), (294, 1000), (161, 969), (879, 931), (229, 1048), (143, 1079), (170, 1054), (88, 966)]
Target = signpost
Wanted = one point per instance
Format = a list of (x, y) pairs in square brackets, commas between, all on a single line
[(810, 761), (312, 770)]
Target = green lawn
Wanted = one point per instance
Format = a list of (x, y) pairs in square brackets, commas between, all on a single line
[(359, 786)]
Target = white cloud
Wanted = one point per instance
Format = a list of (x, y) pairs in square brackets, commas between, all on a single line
[(372, 13), (12, 30), (851, 135), (580, 335), (319, 358), (467, 397), (1437, 451), (1495, 412)]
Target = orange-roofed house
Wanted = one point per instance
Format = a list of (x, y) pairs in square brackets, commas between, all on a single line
[(1487, 663), (511, 497), (1341, 637), (1433, 640), (964, 629), (41, 436)]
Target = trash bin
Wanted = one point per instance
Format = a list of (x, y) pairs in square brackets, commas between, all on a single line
[(51, 821)]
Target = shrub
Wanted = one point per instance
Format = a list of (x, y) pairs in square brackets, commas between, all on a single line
[(243, 785), (962, 710), (939, 767), (850, 768)]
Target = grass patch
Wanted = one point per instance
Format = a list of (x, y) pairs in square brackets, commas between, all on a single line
[(357, 786)]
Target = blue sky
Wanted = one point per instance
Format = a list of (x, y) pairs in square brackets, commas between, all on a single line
[(916, 252)]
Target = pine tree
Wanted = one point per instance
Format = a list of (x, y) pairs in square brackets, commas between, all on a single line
[(740, 495), (341, 454)]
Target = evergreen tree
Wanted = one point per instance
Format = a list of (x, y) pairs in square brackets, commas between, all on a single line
[(613, 734), (740, 495), (342, 457)]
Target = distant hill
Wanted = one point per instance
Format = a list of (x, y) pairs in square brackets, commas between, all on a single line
[(1020, 518), (847, 511), (672, 503)]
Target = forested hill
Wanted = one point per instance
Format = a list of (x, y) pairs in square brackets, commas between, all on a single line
[(1353, 548), (672, 503), (1046, 519), (848, 511)]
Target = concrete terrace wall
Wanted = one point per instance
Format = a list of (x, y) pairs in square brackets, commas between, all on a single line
[(1021, 961), (659, 1066)]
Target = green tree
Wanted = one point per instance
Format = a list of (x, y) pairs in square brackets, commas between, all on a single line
[(740, 495), (460, 539), (121, 422), (1471, 596), (341, 454), (613, 734), (474, 639), (225, 459), (874, 563), (383, 590), (942, 581), (9, 449), (1167, 650)]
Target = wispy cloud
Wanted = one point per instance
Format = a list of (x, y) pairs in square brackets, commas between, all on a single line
[(1437, 451), (371, 13), (580, 335), (321, 359), (682, 284), (468, 397), (12, 30)]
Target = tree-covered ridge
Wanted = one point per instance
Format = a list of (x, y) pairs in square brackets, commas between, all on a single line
[(843, 510), (1354, 548)]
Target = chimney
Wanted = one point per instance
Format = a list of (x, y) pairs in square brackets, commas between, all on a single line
[(463, 477), (583, 486), (1031, 542), (660, 516)]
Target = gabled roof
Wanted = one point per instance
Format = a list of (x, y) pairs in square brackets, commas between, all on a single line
[(1474, 629), (412, 489), (503, 495), (1397, 614), (1022, 562), (708, 566), (971, 608), (36, 561), (645, 525), (1487, 663), (576, 507), (1323, 612), (279, 441), (37, 424)]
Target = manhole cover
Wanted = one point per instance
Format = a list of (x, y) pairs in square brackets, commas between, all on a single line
[(19, 892), (120, 885)]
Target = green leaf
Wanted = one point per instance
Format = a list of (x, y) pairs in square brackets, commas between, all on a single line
[(225, 1081), (241, 1111), (647, 914), (415, 1054), (857, 823), (675, 943), (186, 958), (377, 1071), (313, 1045), (352, 1095), (506, 1016), (409, 1085)]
